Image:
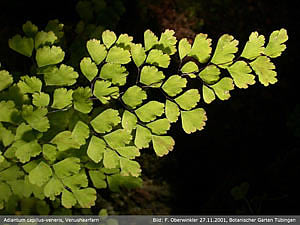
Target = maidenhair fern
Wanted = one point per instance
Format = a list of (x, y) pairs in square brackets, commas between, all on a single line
[(62, 139)]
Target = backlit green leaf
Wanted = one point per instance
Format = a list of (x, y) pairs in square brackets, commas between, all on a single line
[(96, 149), (30, 84), (5, 192), (115, 73), (174, 85), (172, 111), (110, 159), (208, 94), (67, 167), (167, 42), (138, 54), (6, 136), (22, 45), (117, 55), (224, 53), (49, 55), (223, 87), (29, 29), (109, 38), (86, 197), (106, 120), (189, 67), (81, 99), (193, 120), (8, 111), (130, 167), (162, 144), (142, 137), (76, 181), (150, 111), (37, 119), (157, 58), (118, 138), (150, 40), (98, 178), (43, 38), (129, 121), (53, 188), (124, 41), (276, 44), (129, 152), (188, 99), (56, 27), (81, 132), (240, 73), (254, 46), (210, 74), (104, 92), (62, 76), (26, 150), (88, 68), (62, 98), (40, 174), (134, 96), (184, 48), (6, 79), (160, 126), (96, 50), (40, 99), (264, 68), (65, 141), (151, 76), (201, 48), (67, 199), (49, 152)]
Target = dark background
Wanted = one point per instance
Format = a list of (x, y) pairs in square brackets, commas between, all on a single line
[(251, 138)]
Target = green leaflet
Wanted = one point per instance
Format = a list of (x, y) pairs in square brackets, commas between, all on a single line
[(157, 58), (150, 40), (118, 138), (116, 181), (138, 54), (5, 193), (88, 68), (172, 111), (96, 50), (40, 174), (115, 73), (53, 188), (223, 87), (264, 68), (62, 98), (129, 121), (208, 94), (43, 38), (22, 45), (110, 159), (240, 73), (189, 67), (276, 44), (64, 141), (104, 92), (160, 126), (184, 48), (25, 150), (29, 29), (174, 85), (67, 199), (6, 79), (98, 179), (56, 27), (150, 111), (129, 152), (76, 181), (210, 74), (201, 48), (188, 99), (37, 119), (254, 47), (224, 53), (143, 137), (151, 76), (134, 96), (81, 132), (86, 197), (30, 84), (129, 167), (49, 56), (118, 55), (49, 152), (11, 173), (62, 76), (109, 38), (67, 167), (96, 149), (8, 112), (124, 41), (6, 136), (81, 99), (167, 42), (106, 120), (193, 120), (40, 99), (162, 144)]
